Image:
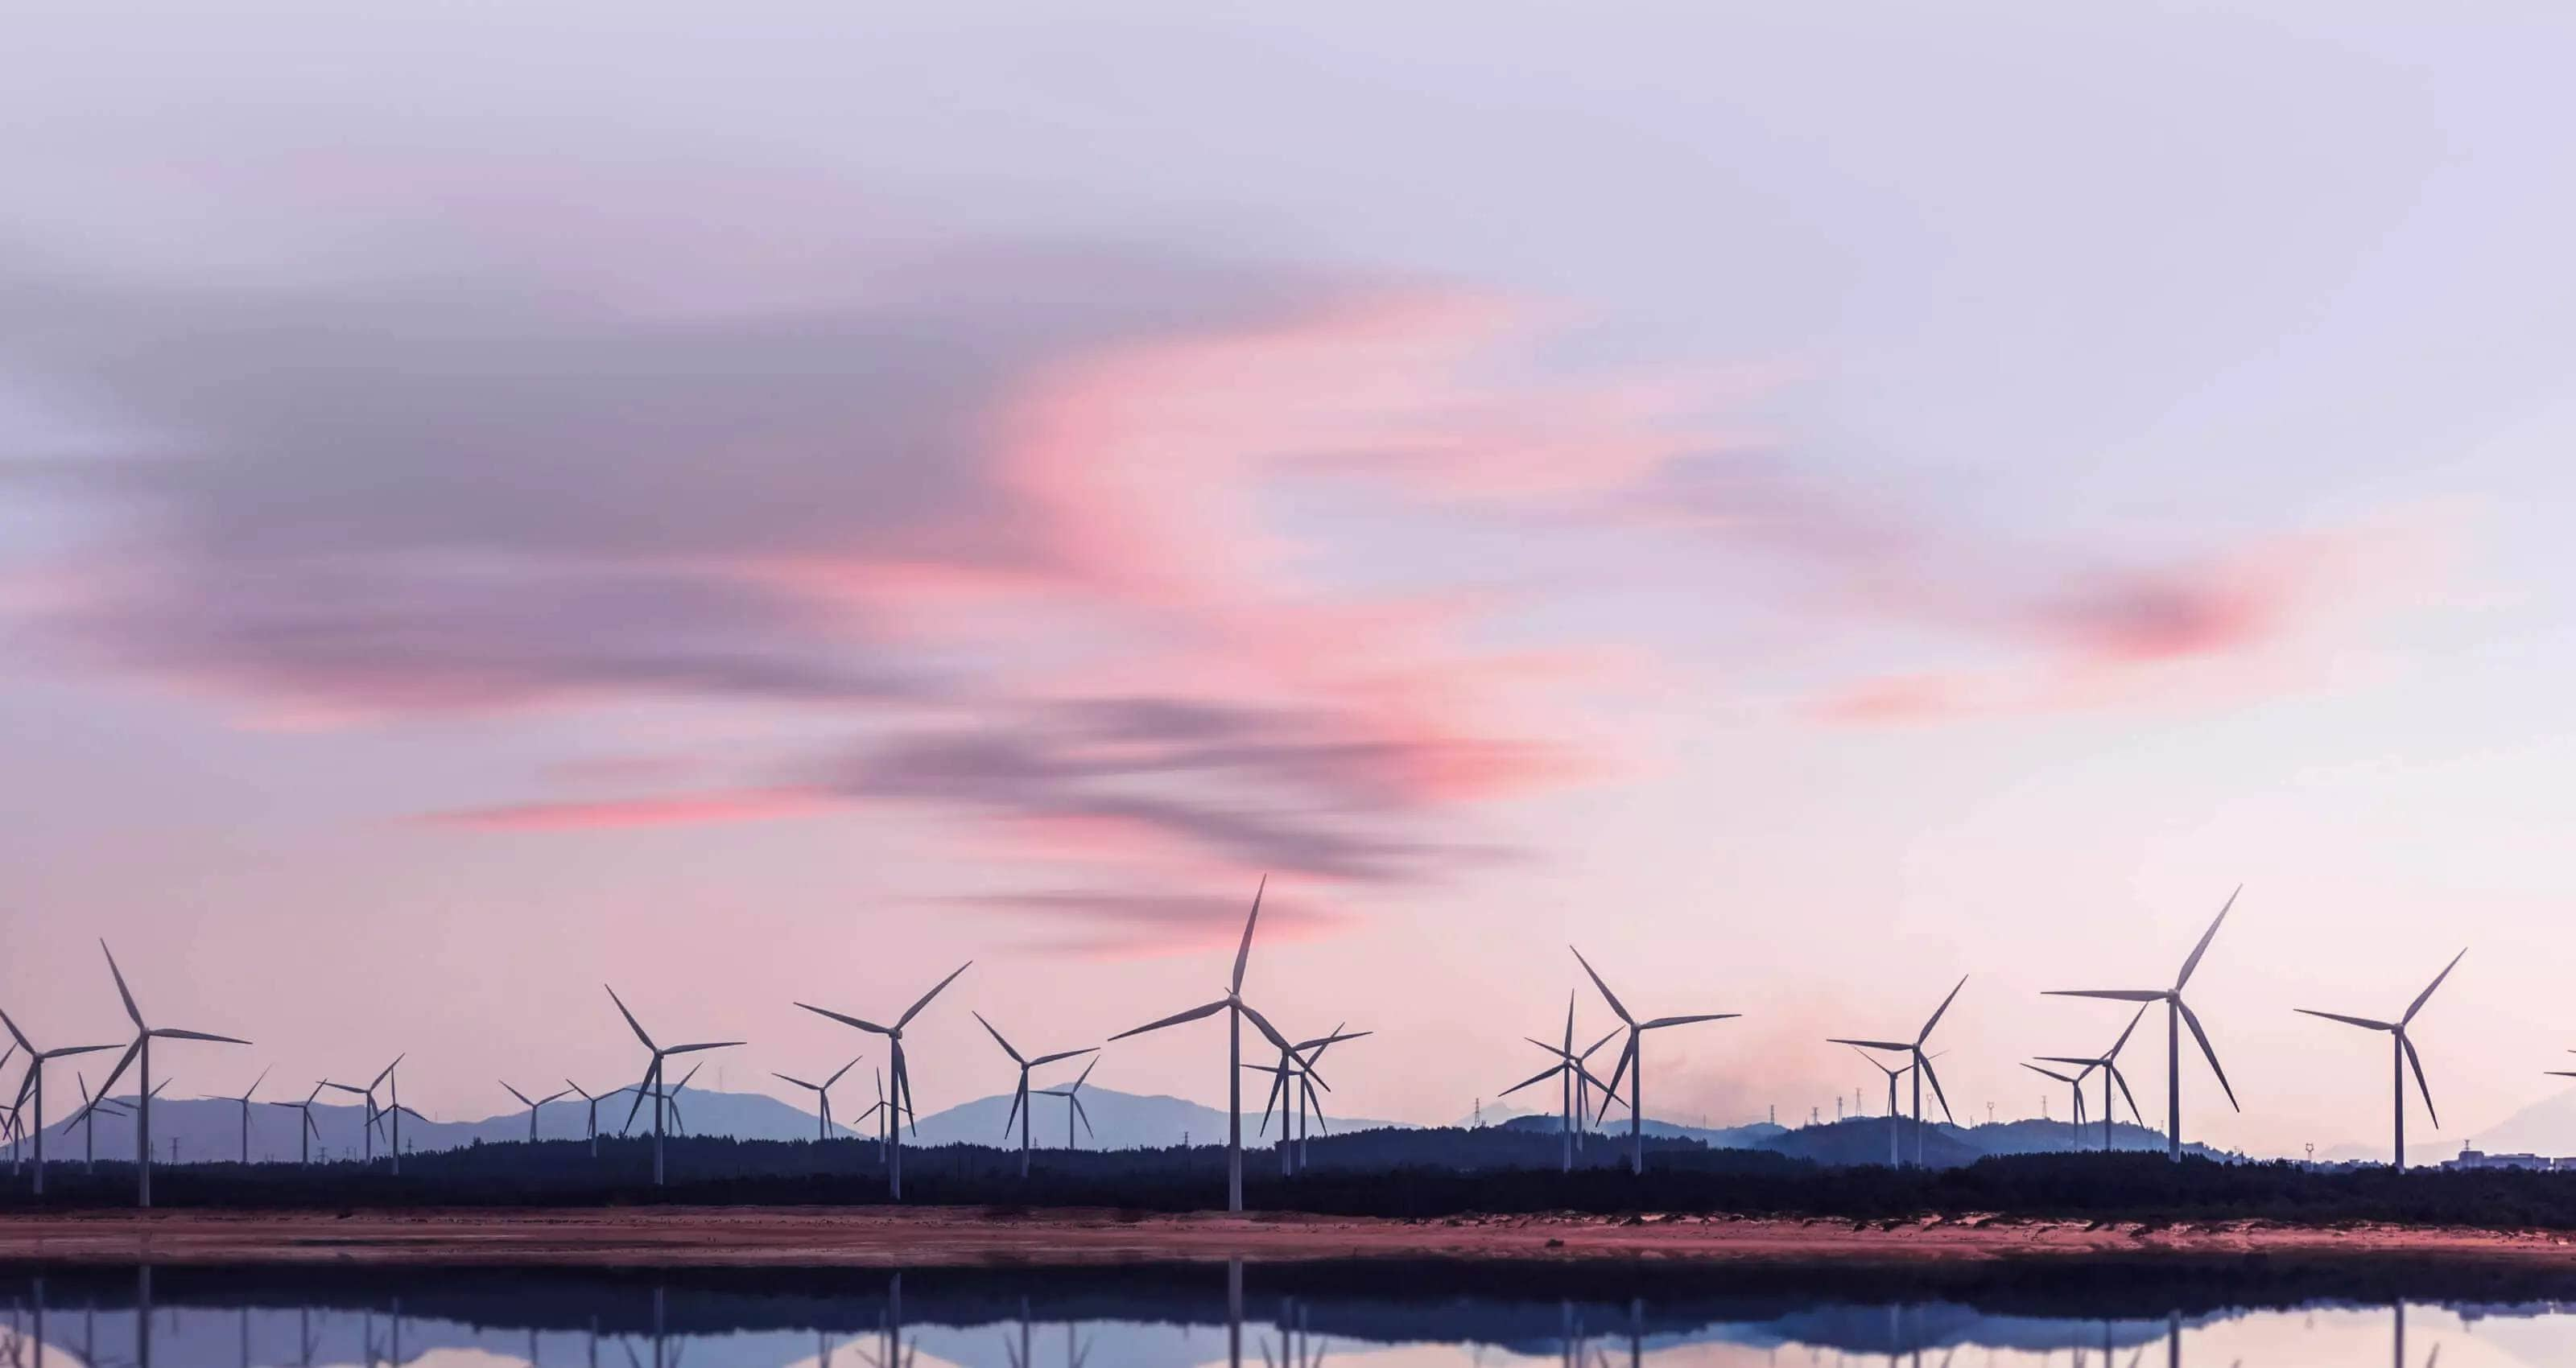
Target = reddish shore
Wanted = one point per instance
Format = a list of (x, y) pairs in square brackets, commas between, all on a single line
[(862, 1237)]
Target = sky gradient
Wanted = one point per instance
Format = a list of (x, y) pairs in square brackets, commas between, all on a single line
[(1805, 505)]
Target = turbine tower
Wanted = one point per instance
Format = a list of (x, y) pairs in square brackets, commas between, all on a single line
[(1020, 1107), (532, 1105), (2402, 1054), (244, 1100), (823, 1096), (308, 1130), (1237, 1011), (1072, 1095), (1633, 1058), (2109, 1063), (2178, 1014), (141, 1050), (1895, 1152), (653, 1075), (33, 1086), (902, 1073), (1921, 1064)]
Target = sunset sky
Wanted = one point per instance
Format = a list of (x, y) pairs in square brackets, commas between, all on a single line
[(1804, 502)]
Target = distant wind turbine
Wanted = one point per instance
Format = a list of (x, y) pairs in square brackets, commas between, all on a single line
[(376, 1115), (1895, 1153), (533, 1104), (1633, 1058), (2402, 1054), (1569, 1073), (141, 1050), (652, 1083), (1072, 1095), (1237, 1011), (822, 1095), (1308, 1054), (305, 1132), (244, 1100), (87, 1120), (902, 1071), (2178, 1014), (33, 1086), (593, 1102), (1292, 1092), (2109, 1062), (2075, 1086), (1020, 1105), (1922, 1065)]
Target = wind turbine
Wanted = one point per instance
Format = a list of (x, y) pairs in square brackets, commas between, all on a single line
[(1237, 1011), (1308, 1054), (902, 1073), (376, 1115), (2178, 1014), (1292, 1089), (1633, 1058), (679, 1122), (1072, 1096), (2076, 1085), (86, 1119), (1922, 1065), (244, 1100), (2109, 1063), (594, 1102), (1569, 1072), (823, 1096), (652, 1083), (2402, 1054), (1895, 1154), (141, 1050), (532, 1104), (33, 1085), (305, 1132), (1021, 1109)]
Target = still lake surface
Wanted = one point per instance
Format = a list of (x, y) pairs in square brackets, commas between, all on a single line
[(1419, 1314)]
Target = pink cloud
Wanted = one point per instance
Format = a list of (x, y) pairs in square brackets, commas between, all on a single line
[(735, 805), (1135, 924)]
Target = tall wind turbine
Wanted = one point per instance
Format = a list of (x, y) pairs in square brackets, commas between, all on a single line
[(2178, 1014), (1021, 1108), (1895, 1153), (1237, 1010), (902, 1072), (141, 1050), (308, 1130), (1072, 1095), (2075, 1086), (1922, 1065), (652, 1083), (2402, 1053), (1633, 1058), (533, 1104), (33, 1085), (822, 1095), (2109, 1063), (244, 1100)]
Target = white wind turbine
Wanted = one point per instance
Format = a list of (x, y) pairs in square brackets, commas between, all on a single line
[(305, 1132), (87, 1120), (1573, 1080), (1292, 1092), (902, 1071), (2109, 1062), (1922, 1064), (822, 1095), (1895, 1152), (2402, 1054), (652, 1083), (2177, 1015), (1072, 1095), (533, 1104), (593, 1101), (2075, 1086), (376, 1116), (141, 1050), (33, 1086), (244, 1100), (1021, 1109), (1633, 1058), (1237, 1010)]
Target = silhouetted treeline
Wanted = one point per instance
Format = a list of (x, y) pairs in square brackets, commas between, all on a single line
[(1407, 1174)]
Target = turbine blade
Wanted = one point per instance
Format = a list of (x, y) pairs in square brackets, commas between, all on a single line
[(14, 1031), (1661, 1022), (254, 1083), (2364, 1022), (2205, 938), (523, 1097), (2416, 1062), (809, 1087), (915, 1010), (1063, 1054), (2418, 1004), (2089, 1064), (836, 1073), (1626, 1057), (121, 991), (861, 1023), (1897, 1045), (1018, 1095), (1933, 1077), (2114, 994), (703, 1045), (2052, 1073), (122, 1063), (2192, 1019), (997, 1039), (1084, 1115), (1541, 1076), (1944, 1007), (1175, 1019), (1086, 1073), (631, 1023), (1606, 995), (2123, 1080), (2122, 1042), (167, 1033), (1262, 1022), (652, 1076), (1278, 1084), (1243, 953), (69, 1051)]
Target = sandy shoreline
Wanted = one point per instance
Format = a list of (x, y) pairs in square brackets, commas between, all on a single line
[(871, 1237)]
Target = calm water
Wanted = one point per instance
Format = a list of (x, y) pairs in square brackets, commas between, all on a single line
[(1421, 1315)]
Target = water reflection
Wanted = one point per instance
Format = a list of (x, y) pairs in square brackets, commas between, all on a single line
[(1383, 1315)]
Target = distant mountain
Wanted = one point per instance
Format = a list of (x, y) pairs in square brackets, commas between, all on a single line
[(2547, 1126), (1119, 1120), (1751, 1136)]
